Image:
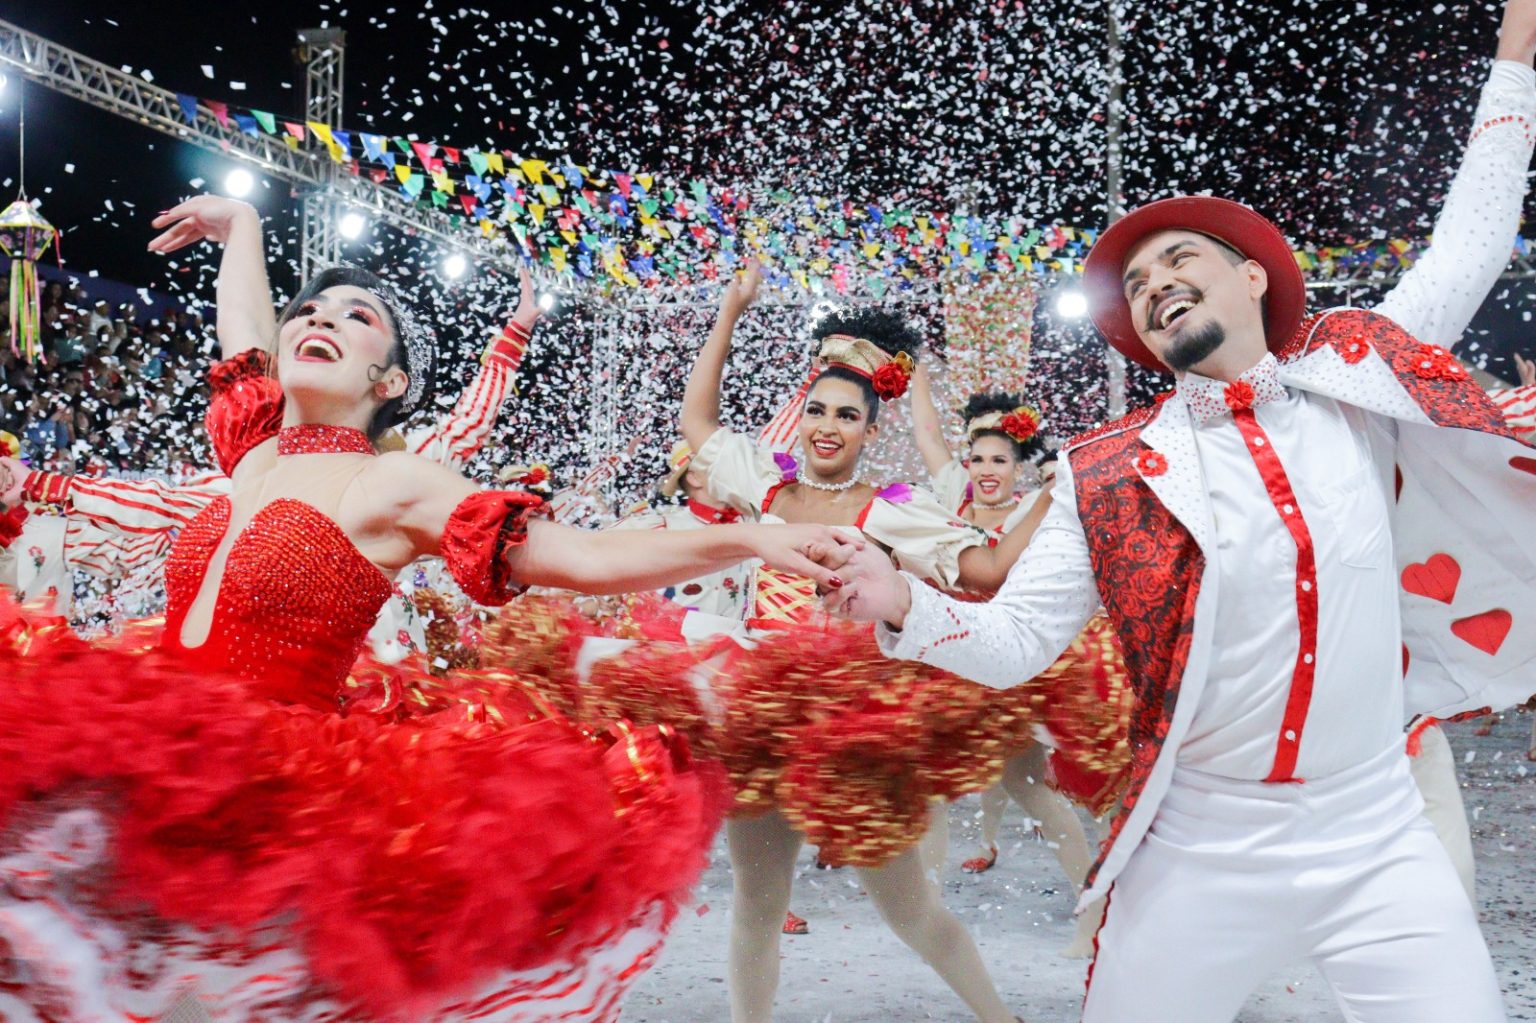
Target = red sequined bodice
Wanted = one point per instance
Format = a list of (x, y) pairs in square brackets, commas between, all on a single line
[(295, 604)]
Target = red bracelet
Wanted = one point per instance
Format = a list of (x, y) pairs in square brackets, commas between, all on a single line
[(47, 487)]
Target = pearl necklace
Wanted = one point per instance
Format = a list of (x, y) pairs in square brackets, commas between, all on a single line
[(835, 488), (997, 507)]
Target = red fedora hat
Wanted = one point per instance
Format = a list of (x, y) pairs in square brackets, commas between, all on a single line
[(1240, 227)]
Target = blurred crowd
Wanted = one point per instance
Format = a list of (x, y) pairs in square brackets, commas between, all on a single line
[(115, 389)]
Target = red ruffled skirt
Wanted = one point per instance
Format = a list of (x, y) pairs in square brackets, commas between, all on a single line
[(849, 745), (441, 849)]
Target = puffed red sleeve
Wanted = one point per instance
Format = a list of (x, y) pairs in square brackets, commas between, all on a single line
[(245, 408), (479, 533)]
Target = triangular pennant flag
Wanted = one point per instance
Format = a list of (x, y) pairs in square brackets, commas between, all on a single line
[(267, 121), (451, 153), (321, 131), (423, 152), (403, 145), (402, 172), (343, 140), (378, 174), (496, 164), (439, 198), (373, 145), (534, 170), (247, 124), (468, 202), (188, 107), (294, 130), (479, 161), (220, 111)]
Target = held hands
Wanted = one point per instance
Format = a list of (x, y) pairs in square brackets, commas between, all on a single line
[(809, 550), (741, 292), (1517, 34), (872, 590)]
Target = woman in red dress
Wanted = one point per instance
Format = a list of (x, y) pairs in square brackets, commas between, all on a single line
[(211, 819)]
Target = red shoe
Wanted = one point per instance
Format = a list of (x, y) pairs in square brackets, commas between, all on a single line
[(981, 864), (795, 925)]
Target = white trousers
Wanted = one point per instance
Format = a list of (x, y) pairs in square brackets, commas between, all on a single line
[(1237, 880)]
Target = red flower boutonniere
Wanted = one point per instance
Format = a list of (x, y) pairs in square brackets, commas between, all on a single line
[(1151, 463), (1238, 395)]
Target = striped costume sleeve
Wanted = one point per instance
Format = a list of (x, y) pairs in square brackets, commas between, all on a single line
[(1518, 406), (139, 507), (455, 438)]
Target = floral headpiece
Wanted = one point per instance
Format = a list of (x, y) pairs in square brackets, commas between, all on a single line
[(888, 375), (1021, 424)]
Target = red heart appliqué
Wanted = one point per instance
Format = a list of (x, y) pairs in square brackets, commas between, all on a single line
[(1524, 464), (1436, 578), (1485, 631)]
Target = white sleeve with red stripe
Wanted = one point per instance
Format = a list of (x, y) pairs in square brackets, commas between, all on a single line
[(111, 556), (455, 438), (140, 507), (1518, 405)]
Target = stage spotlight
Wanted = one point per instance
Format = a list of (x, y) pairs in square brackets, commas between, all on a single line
[(455, 266), (239, 183), (1071, 304), (546, 301), (352, 225)]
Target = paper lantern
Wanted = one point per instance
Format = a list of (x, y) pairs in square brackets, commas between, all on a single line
[(24, 237)]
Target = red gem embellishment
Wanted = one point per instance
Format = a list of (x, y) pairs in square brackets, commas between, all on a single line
[(1238, 395), (1151, 463), (1355, 349), (319, 439)]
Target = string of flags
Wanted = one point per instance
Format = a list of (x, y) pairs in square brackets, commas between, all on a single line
[(633, 229)]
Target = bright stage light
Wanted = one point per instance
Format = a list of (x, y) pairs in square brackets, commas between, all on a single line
[(352, 225), (455, 266), (239, 183), (546, 301), (1072, 305)]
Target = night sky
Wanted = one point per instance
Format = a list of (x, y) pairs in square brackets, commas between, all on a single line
[(1341, 120)]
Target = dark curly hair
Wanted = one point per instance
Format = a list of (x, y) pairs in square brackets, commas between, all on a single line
[(1004, 402), (885, 330)]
